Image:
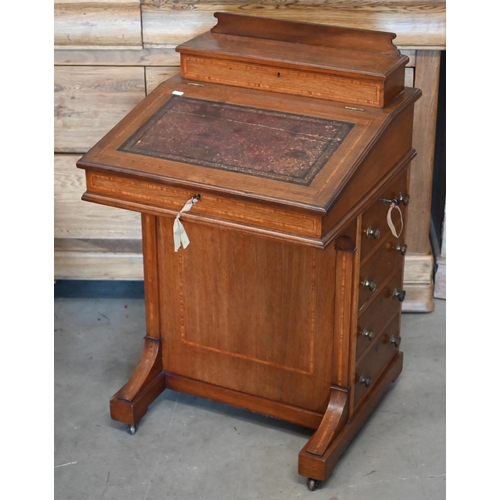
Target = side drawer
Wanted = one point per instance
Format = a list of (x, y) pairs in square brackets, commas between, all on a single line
[(385, 304), (372, 328), (374, 220), (375, 270), (374, 361)]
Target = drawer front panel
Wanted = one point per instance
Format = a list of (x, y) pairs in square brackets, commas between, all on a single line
[(374, 220), (211, 205), (285, 80), (385, 304), (373, 273), (371, 328), (375, 360)]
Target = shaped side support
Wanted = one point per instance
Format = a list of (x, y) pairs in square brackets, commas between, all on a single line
[(310, 463), (147, 382)]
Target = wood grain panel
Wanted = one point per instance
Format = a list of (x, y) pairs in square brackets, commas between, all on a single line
[(89, 101), (411, 55), (95, 56), (374, 360), (97, 23), (98, 265), (378, 325), (418, 268), (95, 1), (155, 76), (424, 136), (98, 245), (418, 24), (115, 190), (290, 81), (153, 56), (250, 314), (269, 408), (419, 297), (74, 218), (378, 266), (409, 77), (168, 24), (270, 289)]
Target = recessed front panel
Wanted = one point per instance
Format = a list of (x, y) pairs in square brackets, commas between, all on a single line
[(248, 314), (242, 300)]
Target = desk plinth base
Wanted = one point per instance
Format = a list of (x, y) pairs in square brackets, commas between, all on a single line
[(318, 457)]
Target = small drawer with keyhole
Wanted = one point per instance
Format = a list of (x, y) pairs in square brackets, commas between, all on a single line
[(378, 266), (372, 327), (376, 356), (387, 297), (375, 228)]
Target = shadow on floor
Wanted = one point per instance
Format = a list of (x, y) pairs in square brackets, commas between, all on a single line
[(86, 289)]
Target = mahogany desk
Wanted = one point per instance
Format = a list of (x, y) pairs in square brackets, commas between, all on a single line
[(282, 153)]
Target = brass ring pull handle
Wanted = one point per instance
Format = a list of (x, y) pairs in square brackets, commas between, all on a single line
[(367, 381), (395, 340), (369, 334), (371, 284), (373, 233), (399, 294), (403, 198), (401, 248)]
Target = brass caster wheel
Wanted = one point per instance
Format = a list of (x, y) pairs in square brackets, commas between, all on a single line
[(312, 484), (131, 429)]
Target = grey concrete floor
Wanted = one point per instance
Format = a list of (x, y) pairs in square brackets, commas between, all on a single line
[(191, 448)]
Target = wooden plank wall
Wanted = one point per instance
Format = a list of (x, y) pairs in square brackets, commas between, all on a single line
[(110, 54)]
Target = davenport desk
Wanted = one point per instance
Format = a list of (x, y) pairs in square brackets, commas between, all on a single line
[(272, 179)]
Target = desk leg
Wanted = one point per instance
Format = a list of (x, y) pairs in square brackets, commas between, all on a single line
[(332, 423), (147, 382), (319, 456)]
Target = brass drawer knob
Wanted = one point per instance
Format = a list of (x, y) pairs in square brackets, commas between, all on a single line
[(403, 198), (367, 381), (395, 340), (371, 284), (369, 334), (399, 294), (373, 233), (401, 248)]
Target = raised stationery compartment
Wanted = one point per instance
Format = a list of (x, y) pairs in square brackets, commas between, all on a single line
[(333, 63)]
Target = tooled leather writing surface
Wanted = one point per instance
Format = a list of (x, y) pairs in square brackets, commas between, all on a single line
[(275, 145)]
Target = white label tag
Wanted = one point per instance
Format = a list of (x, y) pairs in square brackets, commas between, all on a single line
[(177, 92), (392, 227), (180, 235)]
